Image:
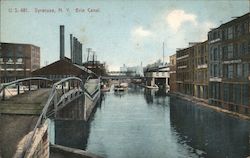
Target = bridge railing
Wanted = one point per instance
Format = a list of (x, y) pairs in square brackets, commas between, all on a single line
[(57, 99), (22, 85)]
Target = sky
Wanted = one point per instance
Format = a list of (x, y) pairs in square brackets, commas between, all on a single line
[(119, 31)]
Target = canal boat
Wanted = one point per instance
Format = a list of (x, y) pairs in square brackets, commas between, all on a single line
[(105, 88), (152, 87), (121, 87)]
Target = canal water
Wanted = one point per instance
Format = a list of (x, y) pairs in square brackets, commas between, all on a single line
[(151, 124)]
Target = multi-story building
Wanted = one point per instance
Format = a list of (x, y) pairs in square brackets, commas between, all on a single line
[(229, 55), (185, 70), (172, 73), (200, 70), (18, 61), (191, 70)]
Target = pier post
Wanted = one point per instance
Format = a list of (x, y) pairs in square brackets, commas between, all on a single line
[(18, 88), (62, 89), (55, 104), (38, 86), (29, 85), (3, 98)]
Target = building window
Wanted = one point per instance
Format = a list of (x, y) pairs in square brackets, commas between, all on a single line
[(249, 46), (245, 70), (215, 54), (215, 70), (225, 71), (224, 34), (248, 26), (225, 52), (245, 94), (236, 55), (230, 71), (230, 33), (230, 51), (245, 25), (236, 31), (239, 70), (237, 93), (244, 47), (211, 70)]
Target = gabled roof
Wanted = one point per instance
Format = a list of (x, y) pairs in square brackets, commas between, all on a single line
[(62, 67)]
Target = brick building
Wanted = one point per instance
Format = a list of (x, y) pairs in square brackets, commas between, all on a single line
[(201, 70), (191, 70), (172, 73), (229, 55), (18, 61), (185, 70)]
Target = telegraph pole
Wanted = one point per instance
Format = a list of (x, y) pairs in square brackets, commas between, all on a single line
[(163, 54)]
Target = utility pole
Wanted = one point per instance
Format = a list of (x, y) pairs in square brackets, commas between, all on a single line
[(88, 50), (163, 54)]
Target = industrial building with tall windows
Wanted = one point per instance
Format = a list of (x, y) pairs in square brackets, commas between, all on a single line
[(229, 53), (191, 70), (18, 61), (218, 70)]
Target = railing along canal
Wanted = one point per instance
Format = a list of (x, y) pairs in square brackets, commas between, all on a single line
[(26, 84), (57, 99)]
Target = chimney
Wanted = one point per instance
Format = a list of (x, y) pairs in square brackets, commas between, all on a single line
[(80, 54), (74, 49), (61, 41), (71, 48)]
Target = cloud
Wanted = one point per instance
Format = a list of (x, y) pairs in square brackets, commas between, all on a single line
[(140, 32), (176, 28), (138, 37), (177, 17)]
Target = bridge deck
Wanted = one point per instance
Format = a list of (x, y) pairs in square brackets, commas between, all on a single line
[(30, 103)]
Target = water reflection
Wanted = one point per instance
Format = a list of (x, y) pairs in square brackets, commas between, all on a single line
[(153, 96), (148, 123), (72, 133), (210, 134)]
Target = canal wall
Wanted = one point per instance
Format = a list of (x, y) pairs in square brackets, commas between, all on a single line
[(90, 103), (73, 111), (202, 102), (14, 128), (71, 133), (58, 151)]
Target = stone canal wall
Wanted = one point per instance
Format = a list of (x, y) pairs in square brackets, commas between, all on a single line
[(58, 151), (40, 143), (90, 104), (73, 111)]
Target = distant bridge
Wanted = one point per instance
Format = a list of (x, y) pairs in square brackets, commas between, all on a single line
[(120, 77), (121, 72)]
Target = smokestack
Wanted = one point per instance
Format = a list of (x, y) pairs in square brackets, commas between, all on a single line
[(74, 50), (61, 41), (71, 47), (80, 54)]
